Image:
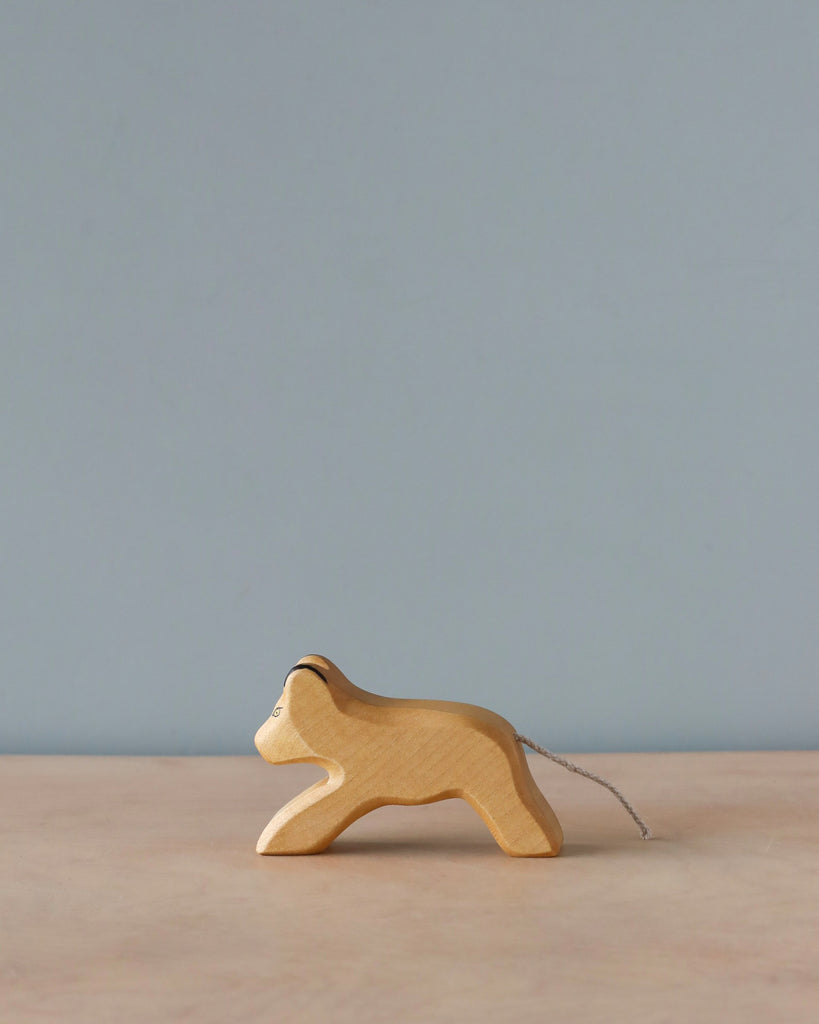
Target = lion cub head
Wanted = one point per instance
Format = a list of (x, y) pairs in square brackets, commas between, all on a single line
[(303, 715)]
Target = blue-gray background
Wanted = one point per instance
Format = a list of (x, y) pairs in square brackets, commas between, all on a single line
[(471, 344)]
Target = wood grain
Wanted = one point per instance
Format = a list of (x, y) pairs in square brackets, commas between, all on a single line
[(130, 891), (386, 750)]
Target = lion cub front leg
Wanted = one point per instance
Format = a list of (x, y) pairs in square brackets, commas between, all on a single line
[(312, 820)]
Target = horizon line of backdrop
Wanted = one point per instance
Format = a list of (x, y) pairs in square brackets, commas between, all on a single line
[(472, 345)]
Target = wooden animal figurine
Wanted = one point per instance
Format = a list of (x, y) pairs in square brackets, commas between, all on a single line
[(385, 750)]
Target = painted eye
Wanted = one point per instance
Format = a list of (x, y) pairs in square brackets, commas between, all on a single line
[(277, 712)]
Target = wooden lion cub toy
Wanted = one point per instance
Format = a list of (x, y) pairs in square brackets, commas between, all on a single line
[(385, 750)]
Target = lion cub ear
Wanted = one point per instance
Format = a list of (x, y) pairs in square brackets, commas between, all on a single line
[(309, 693)]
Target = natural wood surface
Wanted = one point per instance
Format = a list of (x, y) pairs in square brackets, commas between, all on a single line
[(130, 892), (390, 750)]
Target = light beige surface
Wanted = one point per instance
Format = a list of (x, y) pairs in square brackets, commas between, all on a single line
[(131, 891)]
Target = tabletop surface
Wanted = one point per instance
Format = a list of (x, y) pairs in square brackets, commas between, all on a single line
[(130, 890)]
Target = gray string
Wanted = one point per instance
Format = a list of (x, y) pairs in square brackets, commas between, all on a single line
[(645, 831)]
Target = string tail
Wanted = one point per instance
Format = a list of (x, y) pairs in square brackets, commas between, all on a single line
[(645, 831)]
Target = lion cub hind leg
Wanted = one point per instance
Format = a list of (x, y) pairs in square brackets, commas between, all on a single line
[(311, 821), (516, 812)]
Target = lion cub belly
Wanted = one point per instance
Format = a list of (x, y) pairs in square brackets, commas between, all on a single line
[(435, 759)]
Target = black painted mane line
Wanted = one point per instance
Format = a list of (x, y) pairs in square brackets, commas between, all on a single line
[(312, 668)]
